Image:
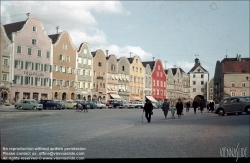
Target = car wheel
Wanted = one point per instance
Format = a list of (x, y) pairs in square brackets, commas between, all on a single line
[(221, 112), (117, 107), (54, 107), (126, 107), (35, 108), (248, 110), (20, 107)]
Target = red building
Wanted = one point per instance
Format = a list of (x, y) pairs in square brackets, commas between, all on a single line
[(159, 79)]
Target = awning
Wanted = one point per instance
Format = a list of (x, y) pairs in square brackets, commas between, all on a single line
[(136, 98), (115, 96), (151, 98)]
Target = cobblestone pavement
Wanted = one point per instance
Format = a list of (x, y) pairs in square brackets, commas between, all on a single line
[(120, 133)]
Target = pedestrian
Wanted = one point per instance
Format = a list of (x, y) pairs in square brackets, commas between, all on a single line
[(201, 107), (208, 107), (195, 105), (165, 107), (148, 109), (211, 106), (188, 106), (179, 108), (172, 109), (85, 107)]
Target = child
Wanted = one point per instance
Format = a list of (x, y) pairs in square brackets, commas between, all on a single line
[(172, 109)]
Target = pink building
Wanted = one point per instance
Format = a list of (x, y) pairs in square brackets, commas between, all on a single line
[(32, 61)]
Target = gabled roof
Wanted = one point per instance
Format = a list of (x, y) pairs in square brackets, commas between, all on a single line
[(174, 70), (93, 53), (54, 38), (232, 65), (13, 27), (151, 64), (195, 66), (130, 60)]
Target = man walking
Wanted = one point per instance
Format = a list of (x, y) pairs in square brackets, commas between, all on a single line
[(148, 108), (195, 105)]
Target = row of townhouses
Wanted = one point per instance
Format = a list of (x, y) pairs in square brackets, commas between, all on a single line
[(40, 66)]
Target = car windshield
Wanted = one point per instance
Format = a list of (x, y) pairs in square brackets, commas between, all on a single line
[(33, 102)]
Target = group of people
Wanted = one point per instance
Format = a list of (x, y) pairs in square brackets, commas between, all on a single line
[(80, 107), (178, 108)]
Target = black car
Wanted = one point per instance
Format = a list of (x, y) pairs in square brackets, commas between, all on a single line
[(51, 104), (116, 104)]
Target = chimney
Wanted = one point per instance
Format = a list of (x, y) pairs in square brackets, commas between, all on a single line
[(28, 14), (130, 54), (107, 53), (196, 61), (239, 57), (57, 29)]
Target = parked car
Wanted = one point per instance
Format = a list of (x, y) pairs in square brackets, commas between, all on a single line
[(100, 105), (70, 104), (137, 104), (91, 105), (126, 105), (30, 104), (51, 104), (114, 104), (233, 105), (61, 102)]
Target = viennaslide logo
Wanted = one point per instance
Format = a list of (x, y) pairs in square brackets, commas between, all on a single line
[(234, 152)]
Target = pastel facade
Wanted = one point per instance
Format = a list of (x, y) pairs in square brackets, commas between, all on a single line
[(6, 58), (124, 77), (112, 78), (99, 90), (137, 81), (32, 62), (64, 67), (170, 85), (84, 73)]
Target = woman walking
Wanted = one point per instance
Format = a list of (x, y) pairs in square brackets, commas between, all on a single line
[(165, 107), (179, 107)]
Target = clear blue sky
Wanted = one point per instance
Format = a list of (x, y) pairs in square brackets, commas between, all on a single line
[(173, 31)]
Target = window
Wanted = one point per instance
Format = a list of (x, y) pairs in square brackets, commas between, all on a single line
[(28, 80), (73, 70), (193, 75), (202, 76), (48, 55), (202, 89), (39, 67), (79, 60), (113, 67), (5, 77), (140, 70), (67, 59), (202, 82), (34, 28), (47, 82), (6, 47), (19, 49), (89, 62), (194, 89), (61, 57), (136, 69), (84, 61), (133, 68), (157, 74), (233, 93), (136, 60), (38, 81), (123, 68), (84, 51), (194, 82), (47, 68), (243, 84), (39, 53), (18, 79), (211, 97), (61, 68), (64, 46), (243, 93), (18, 64), (159, 67), (5, 61), (33, 42), (99, 64), (211, 90), (232, 84), (29, 66), (29, 51)]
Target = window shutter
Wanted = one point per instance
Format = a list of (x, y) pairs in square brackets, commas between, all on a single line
[(50, 68), (14, 82), (32, 65), (41, 67), (21, 64), (31, 80), (26, 65), (21, 80), (44, 82), (45, 67), (16, 62), (41, 81), (36, 81), (26, 80), (36, 66), (49, 82)]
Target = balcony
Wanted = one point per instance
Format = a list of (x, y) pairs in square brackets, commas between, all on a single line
[(99, 77)]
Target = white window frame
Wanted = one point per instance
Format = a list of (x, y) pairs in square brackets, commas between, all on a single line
[(48, 54), (33, 41), (5, 61), (40, 53), (29, 51), (243, 93), (46, 84), (18, 79), (39, 67), (39, 81), (29, 66), (243, 84), (233, 84), (64, 46), (34, 28), (5, 77), (19, 48), (233, 93), (84, 51), (89, 62)]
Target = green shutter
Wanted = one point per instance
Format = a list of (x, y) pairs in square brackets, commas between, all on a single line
[(36, 81), (36, 65), (50, 68), (32, 65), (26, 65), (49, 82), (44, 81), (41, 81), (16, 63), (21, 80), (26, 80), (41, 67), (21, 64), (14, 82), (31, 80), (45, 67)]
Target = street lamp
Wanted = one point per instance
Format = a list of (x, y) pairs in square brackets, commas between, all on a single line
[(247, 78)]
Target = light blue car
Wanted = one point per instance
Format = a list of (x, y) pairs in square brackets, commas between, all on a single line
[(29, 104)]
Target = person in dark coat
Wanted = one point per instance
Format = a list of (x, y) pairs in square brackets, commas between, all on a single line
[(211, 105), (188, 106), (179, 107), (195, 105), (165, 107), (148, 108)]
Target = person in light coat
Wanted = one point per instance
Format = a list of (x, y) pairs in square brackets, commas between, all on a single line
[(173, 110)]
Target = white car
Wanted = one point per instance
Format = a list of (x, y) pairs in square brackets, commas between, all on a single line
[(100, 105), (137, 104), (70, 104)]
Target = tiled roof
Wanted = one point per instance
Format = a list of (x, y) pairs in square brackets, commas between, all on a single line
[(130, 60), (174, 70), (13, 27), (151, 64), (195, 66), (54, 38), (93, 53), (232, 65)]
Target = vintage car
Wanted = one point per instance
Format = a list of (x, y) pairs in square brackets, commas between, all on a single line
[(51, 104), (100, 105), (30, 104), (70, 104), (233, 105)]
